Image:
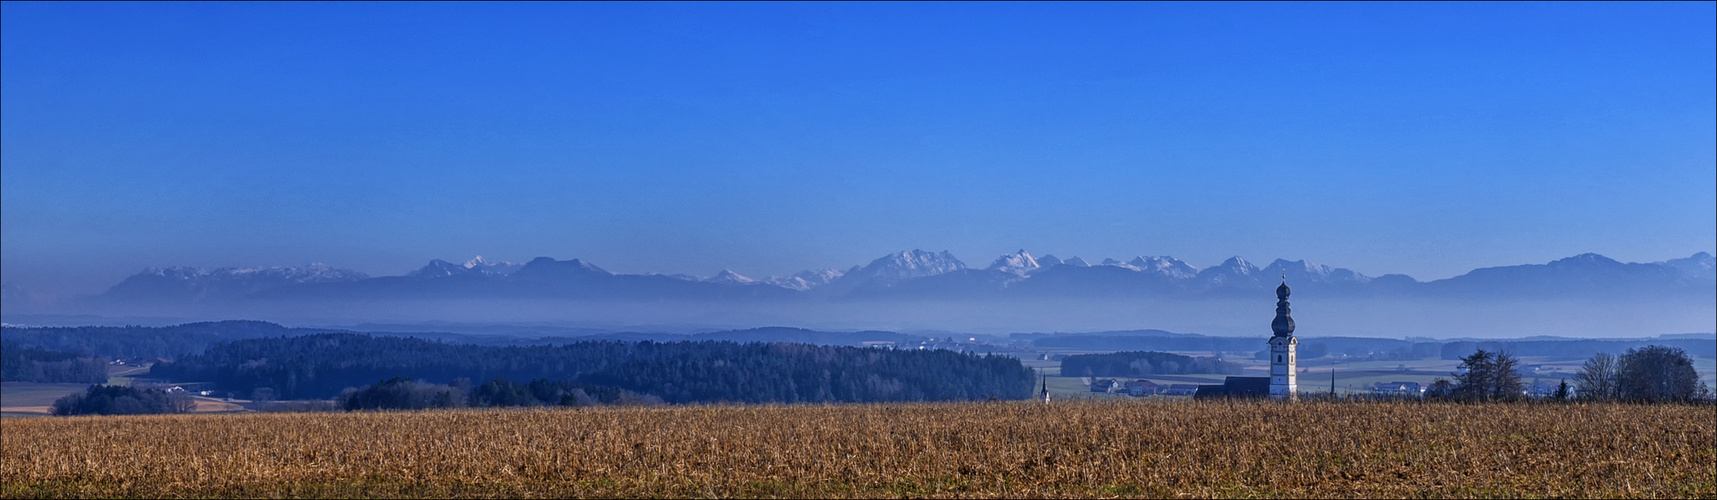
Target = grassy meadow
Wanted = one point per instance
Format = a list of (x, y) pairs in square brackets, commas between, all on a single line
[(1112, 448)]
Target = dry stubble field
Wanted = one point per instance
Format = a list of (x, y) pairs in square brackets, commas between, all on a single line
[(1102, 449)]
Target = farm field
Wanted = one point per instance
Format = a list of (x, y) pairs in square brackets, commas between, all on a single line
[(34, 399), (1009, 449)]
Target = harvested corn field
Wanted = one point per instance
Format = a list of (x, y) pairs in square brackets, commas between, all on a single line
[(1117, 449)]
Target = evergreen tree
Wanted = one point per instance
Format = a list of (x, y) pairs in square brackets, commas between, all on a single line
[(1488, 376), (502, 392), (400, 393), (1440, 390)]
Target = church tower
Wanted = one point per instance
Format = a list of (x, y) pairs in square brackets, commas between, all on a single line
[(1282, 377)]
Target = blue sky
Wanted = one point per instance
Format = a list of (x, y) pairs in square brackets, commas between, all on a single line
[(1425, 139)]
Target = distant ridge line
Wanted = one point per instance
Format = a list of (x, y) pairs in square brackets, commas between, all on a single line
[(917, 275)]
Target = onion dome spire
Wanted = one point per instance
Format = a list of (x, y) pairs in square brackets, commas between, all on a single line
[(1283, 325)]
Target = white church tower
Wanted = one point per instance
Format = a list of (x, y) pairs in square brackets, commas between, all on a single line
[(1283, 384)]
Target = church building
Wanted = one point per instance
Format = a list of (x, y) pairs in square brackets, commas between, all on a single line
[(1282, 346), (1282, 383)]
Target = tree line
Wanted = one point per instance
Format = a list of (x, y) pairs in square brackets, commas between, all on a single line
[(143, 341), (322, 366), (1142, 363), (406, 394), (121, 400), (1649, 374), (28, 364)]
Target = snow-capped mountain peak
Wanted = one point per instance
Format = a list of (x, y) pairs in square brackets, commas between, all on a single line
[(197, 283), (1232, 273), (1701, 265), (1239, 265), (1297, 267), (730, 277), (315, 272), (909, 264), (502, 268), (1164, 265), (1307, 272), (476, 266), (806, 280), (1585, 260), (1018, 263), (439, 268)]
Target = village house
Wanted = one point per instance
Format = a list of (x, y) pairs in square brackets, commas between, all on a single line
[(1142, 388), (1182, 389), (1399, 388)]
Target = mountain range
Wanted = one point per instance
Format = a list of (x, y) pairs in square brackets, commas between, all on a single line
[(919, 275)]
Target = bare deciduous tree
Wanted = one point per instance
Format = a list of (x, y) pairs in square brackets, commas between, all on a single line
[(1597, 379), (1656, 373)]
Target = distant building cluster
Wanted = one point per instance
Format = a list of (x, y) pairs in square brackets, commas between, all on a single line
[(1141, 388), (1414, 389)]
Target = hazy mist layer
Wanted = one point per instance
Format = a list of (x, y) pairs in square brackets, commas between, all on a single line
[(1437, 318)]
